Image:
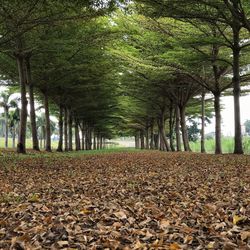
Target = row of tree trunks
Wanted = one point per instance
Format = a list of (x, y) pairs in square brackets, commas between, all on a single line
[(24, 71), (160, 141), (88, 140)]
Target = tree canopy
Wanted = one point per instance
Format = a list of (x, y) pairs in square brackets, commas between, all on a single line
[(109, 68)]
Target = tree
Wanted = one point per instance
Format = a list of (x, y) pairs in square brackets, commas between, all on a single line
[(6, 102), (247, 125), (229, 18), (20, 22), (193, 131)]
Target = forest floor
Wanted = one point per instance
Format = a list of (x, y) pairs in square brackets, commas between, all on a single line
[(124, 200)]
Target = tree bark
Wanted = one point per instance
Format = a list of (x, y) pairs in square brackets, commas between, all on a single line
[(177, 128), (94, 146), (47, 123), (41, 138), (152, 135), (163, 139), (101, 142), (77, 137), (238, 148), (136, 140), (98, 141), (70, 122), (6, 114), (218, 149), (142, 139), (184, 128), (203, 150), (60, 125), (21, 146), (44, 136), (147, 138), (83, 137), (14, 136), (171, 127), (156, 140), (32, 106), (66, 147), (90, 138)]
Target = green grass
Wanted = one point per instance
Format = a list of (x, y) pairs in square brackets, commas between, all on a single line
[(227, 145), (28, 143)]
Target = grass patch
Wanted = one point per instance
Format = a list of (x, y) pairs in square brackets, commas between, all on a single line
[(227, 145)]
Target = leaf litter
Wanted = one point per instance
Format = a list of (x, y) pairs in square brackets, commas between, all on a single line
[(145, 200)]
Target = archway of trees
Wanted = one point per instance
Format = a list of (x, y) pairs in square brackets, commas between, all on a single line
[(106, 68)]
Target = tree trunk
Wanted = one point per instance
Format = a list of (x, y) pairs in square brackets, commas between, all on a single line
[(21, 146), (41, 138), (60, 125), (77, 137), (94, 140), (70, 122), (90, 138), (136, 140), (152, 135), (177, 129), (171, 127), (238, 149), (66, 147), (47, 123), (156, 141), (87, 138), (218, 149), (203, 150), (98, 141), (101, 143), (44, 136), (13, 136), (6, 114), (32, 106), (184, 129), (142, 139), (83, 137), (163, 139), (147, 138)]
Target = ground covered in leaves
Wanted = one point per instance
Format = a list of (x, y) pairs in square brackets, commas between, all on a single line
[(136, 200)]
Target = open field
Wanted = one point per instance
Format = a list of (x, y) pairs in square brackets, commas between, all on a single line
[(124, 200)]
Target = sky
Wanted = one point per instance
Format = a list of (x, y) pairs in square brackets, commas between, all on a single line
[(227, 115)]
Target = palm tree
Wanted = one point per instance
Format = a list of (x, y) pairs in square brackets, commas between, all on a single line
[(6, 103), (14, 118)]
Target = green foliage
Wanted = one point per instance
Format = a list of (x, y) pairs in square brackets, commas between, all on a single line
[(193, 131), (247, 125)]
